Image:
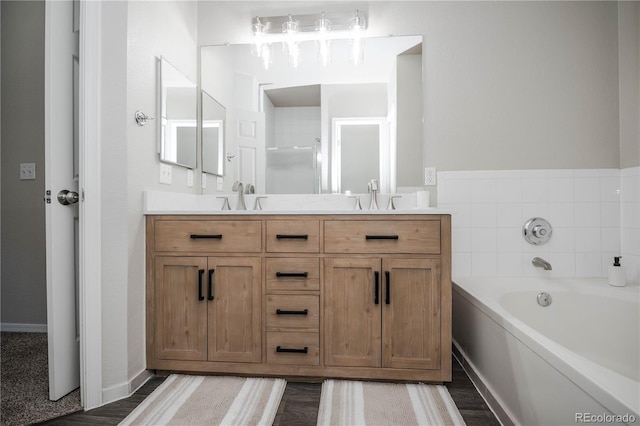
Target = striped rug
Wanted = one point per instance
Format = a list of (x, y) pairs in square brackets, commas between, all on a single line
[(353, 403), (210, 400)]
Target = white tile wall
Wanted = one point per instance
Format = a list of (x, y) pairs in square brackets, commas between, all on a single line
[(297, 126), (595, 214), (630, 221)]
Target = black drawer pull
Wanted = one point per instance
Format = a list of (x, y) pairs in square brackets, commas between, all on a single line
[(387, 299), (381, 237), (292, 274), (210, 289), (376, 288), (205, 236), (283, 312), (292, 236), (200, 273), (292, 350)]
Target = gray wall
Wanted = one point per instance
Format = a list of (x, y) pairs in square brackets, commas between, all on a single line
[(409, 119), (23, 284), (629, 50)]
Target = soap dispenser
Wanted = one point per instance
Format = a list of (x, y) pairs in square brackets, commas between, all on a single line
[(617, 274)]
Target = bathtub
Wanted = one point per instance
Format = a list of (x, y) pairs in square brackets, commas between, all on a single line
[(574, 361)]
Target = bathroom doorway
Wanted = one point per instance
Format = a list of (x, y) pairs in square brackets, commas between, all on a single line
[(361, 151)]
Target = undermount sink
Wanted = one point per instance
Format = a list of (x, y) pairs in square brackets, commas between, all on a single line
[(159, 202)]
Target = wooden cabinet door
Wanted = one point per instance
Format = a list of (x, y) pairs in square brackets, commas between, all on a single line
[(351, 314), (234, 315), (181, 311), (411, 313)]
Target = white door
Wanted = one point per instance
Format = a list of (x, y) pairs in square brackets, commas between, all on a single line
[(250, 145), (61, 183)]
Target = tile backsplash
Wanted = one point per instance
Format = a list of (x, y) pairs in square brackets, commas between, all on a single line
[(594, 214)]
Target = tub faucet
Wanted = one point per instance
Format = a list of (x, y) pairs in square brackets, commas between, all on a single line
[(541, 263), (237, 186)]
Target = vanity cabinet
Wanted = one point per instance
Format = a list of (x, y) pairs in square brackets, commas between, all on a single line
[(382, 313), (360, 296), (208, 308)]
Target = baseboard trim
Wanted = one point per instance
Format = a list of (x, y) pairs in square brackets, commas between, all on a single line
[(126, 389), (23, 328), (502, 413)]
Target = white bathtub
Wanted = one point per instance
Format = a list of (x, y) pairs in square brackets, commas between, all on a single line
[(574, 361)]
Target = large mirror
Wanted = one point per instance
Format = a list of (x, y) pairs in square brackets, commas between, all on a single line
[(323, 129), (178, 119), (213, 135)]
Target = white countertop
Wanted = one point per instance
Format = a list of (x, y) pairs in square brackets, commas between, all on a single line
[(170, 203)]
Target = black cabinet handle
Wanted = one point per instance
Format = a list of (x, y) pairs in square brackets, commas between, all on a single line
[(381, 237), (206, 236), (292, 274), (210, 289), (292, 350), (376, 288), (387, 298), (200, 273), (292, 236), (283, 312)]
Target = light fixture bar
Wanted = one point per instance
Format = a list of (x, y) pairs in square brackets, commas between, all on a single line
[(307, 23)]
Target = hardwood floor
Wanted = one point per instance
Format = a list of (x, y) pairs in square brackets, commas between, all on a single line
[(298, 407)]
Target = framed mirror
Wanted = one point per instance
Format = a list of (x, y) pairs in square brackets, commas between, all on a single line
[(299, 104), (178, 118), (213, 135)]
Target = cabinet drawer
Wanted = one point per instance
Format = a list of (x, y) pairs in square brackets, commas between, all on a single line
[(293, 312), (377, 236), (299, 273), (293, 236), (208, 236), (293, 348)]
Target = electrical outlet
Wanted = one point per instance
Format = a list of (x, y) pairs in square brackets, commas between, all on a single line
[(203, 182), (430, 176), (165, 173), (27, 171), (219, 183), (189, 178)]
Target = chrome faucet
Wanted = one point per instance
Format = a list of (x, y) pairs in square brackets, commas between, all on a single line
[(373, 189), (541, 263), (237, 186)]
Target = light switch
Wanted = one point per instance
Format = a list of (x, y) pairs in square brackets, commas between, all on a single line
[(27, 171)]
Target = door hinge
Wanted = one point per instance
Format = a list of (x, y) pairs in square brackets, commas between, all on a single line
[(47, 196)]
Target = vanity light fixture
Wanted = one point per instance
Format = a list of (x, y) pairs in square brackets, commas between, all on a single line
[(357, 26), (291, 31), (260, 47), (323, 26), (291, 46)]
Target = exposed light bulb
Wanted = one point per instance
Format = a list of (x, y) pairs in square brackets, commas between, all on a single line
[(357, 26), (290, 29), (323, 26)]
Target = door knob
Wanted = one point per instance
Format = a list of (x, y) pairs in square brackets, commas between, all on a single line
[(67, 197)]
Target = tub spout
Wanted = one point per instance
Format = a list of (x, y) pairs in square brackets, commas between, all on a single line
[(541, 263)]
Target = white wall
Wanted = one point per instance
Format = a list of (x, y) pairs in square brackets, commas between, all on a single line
[(134, 35)]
